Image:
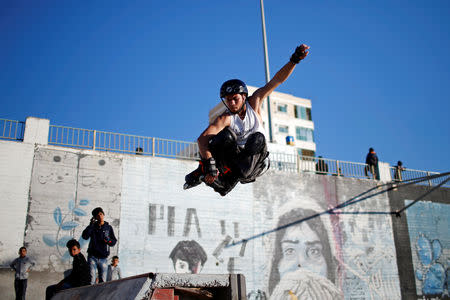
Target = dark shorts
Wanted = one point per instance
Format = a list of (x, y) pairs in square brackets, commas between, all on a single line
[(246, 162)]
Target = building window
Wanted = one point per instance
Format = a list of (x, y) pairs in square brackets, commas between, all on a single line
[(304, 134), (282, 108), (283, 129), (304, 152), (302, 112)]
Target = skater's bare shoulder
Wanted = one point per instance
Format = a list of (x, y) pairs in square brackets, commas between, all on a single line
[(218, 124)]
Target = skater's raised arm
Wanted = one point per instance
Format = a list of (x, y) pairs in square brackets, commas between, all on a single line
[(260, 94)]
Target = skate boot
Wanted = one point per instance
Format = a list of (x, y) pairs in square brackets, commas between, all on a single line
[(224, 183), (194, 178)]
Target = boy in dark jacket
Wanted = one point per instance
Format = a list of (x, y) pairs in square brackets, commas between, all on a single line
[(102, 237), (372, 164), (79, 276)]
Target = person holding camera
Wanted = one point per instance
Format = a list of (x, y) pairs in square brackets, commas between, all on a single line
[(102, 237)]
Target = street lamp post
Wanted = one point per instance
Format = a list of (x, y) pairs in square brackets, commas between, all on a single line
[(266, 62)]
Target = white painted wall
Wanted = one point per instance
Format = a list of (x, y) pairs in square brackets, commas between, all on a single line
[(66, 184), (36, 131), (159, 182), (16, 160)]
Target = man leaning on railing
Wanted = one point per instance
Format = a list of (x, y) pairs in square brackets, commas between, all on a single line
[(398, 171)]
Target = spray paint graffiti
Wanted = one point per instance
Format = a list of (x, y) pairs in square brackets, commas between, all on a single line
[(188, 257), (430, 244), (431, 272), (367, 272), (191, 218), (257, 295), (227, 240), (64, 225)]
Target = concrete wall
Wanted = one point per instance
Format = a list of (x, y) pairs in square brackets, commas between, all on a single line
[(66, 185), (422, 240), (361, 252), (16, 160)]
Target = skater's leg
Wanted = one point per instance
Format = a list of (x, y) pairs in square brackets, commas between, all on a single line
[(252, 157), (256, 143), (194, 178), (224, 183), (224, 148)]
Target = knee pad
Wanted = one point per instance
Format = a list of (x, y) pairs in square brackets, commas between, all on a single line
[(256, 143), (225, 140)]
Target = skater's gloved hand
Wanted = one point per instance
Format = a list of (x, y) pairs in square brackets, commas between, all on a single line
[(210, 170), (299, 54)]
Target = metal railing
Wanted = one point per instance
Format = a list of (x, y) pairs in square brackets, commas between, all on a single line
[(326, 166), (11, 129), (322, 166), (71, 137), (409, 174), (141, 145), (122, 143)]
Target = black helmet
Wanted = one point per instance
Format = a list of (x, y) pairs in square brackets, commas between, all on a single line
[(233, 86)]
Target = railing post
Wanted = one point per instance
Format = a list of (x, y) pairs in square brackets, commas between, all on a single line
[(153, 146), (95, 138), (429, 181), (337, 168), (298, 164)]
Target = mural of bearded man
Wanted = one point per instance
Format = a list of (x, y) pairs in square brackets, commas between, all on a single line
[(302, 265)]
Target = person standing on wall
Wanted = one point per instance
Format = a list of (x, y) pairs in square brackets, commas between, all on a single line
[(102, 237), (398, 171), (372, 164), (22, 266)]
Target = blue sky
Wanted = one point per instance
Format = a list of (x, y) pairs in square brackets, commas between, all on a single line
[(378, 73)]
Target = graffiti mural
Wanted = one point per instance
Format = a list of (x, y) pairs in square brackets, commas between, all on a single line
[(302, 262), (165, 228), (65, 187), (428, 226), (316, 255), (188, 257), (64, 225)]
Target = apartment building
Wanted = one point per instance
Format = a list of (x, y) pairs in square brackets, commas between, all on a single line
[(291, 121)]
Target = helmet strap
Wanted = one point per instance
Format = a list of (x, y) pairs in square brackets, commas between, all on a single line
[(242, 107)]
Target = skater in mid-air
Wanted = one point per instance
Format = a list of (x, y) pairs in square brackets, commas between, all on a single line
[(233, 148)]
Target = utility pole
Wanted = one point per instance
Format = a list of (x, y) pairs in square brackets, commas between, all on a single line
[(266, 62)]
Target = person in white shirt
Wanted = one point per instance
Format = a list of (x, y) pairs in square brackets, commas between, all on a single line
[(114, 269), (22, 266)]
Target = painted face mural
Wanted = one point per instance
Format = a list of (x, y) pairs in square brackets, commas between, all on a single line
[(302, 256), (302, 248), (188, 257), (181, 266)]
